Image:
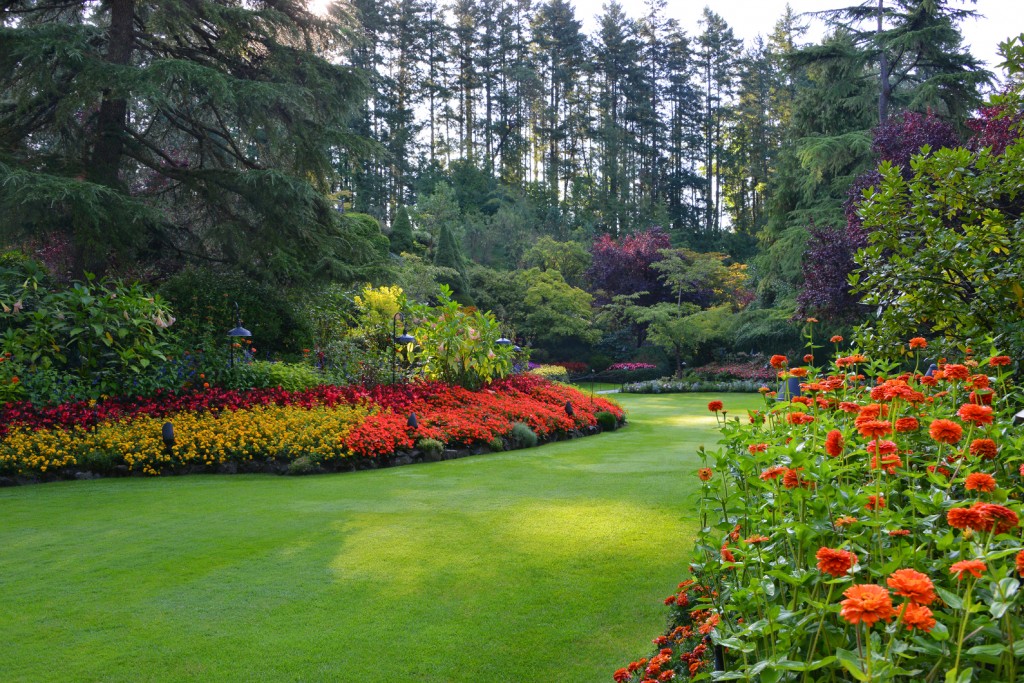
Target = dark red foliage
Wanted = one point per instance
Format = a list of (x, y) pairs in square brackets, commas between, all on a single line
[(904, 135), (828, 261), (995, 128), (624, 266)]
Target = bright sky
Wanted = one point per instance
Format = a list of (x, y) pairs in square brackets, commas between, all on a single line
[(748, 18)]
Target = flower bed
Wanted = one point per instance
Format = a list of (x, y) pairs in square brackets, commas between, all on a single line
[(864, 531), (681, 386), (326, 425), (754, 370)]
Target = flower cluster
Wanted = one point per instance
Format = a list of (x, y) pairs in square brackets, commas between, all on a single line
[(868, 529), (632, 366), (323, 424)]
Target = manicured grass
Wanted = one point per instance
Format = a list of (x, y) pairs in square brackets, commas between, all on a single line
[(541, 565)]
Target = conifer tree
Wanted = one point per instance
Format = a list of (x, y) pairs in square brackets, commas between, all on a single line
[(401, 232), (448, 254), (145, 131)]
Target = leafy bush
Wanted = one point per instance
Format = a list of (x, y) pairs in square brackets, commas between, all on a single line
[(265, 374), (606, 421), (522, 436), (751, 368), (497, 444), (430, 447), (864, 532), (682, 386), (304, 464), (555, 373)]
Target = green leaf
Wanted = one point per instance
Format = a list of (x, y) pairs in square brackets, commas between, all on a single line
[(851, 662), (950, 599)]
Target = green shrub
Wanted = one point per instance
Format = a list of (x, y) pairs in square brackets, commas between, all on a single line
[(264, 374), (430, 446), (556, 373), (497, 444), (522, 436), (606, 421), (303, 465)]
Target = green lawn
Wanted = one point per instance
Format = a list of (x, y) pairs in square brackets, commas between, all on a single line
[(541, 565)]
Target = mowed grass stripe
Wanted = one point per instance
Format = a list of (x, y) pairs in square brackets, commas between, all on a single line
[(538, 565)]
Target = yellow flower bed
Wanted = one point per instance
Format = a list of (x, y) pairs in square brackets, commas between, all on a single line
[(201, 438)]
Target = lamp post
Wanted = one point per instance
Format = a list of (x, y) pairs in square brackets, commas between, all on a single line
[(404, 339), (235, 333)]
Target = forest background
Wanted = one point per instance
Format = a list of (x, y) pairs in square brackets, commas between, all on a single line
[(635, 193)]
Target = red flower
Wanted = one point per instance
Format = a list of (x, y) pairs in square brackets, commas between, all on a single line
[(866, 603), (874, 429), (907, 424), (622, 675), (835, 561), (1019, 565), (705, 474), (945, 431), (834, 443), (996, 361), (791, 478), (918, 343), (845, 521), (996, 518), (755, 539), (899, 532), (778, 361), (976, 414), (980, 481), (727, 555), (836, 339), (919, 617), (912, 584), (963, 518), (714, 406), (956, 371), (799, 418), (972, 567), (875, 503), (888, 464), (773, 472), (757, 448)]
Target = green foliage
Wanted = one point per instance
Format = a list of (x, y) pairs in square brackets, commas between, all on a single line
[(763, 329), (522, 436), (457, 345), (497, 444), (100, 331), (420, 279), (553, 310), (430, 447), (303, 464), (944, 255), (264, 374), (401, 233), (449, 255), (553, 372), (571, 259), (606, 421), (145, 132), (205, 302)]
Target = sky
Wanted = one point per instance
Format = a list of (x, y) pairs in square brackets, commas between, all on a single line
[(749, 18)]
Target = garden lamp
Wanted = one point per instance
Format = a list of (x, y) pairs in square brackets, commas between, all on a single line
[(167, 432), (400, 339), (413, 423), (504, 342), (236, 332), (569, 409)]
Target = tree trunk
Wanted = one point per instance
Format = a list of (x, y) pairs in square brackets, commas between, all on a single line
[(885, 88), (113, 113)]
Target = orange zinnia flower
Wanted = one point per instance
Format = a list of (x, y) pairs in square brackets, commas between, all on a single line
[(956, 371), (918, 343), (996, 518), (874, 429), (919, 617), (755, 539), (704, 473), (907, 424), (868, 603), (912, 584), (773, 472), (963, 518), (791, 478), (875, 503), (946, 431), (973, 567), (888, 464), (835, 561), (714, 406), (1019, 565), (834, 443), (996, 361), (757, 448), (778, 361), (836, 339), (979, 415), (985, 449), (727, 555), (899, 532), (845, 521), (980, 481)]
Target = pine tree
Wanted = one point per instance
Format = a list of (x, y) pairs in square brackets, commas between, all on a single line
[(401, 232), (147, 132), (448, 254)]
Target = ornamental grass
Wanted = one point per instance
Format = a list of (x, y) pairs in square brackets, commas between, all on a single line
[(867, 532), (325, 424)]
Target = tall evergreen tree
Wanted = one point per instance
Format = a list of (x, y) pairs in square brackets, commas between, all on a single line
[(401, 232), (144, 131), (448, 254)]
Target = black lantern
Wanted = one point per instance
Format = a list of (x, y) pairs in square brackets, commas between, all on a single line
[(403, 339), (236, 332), (413, 423), (568, 409), (167, 432)]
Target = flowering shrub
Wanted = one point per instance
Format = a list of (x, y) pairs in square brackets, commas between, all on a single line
[(574, 367), (552, 372), (323, 424), (866, 530), (629, 367), (755, 370)]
